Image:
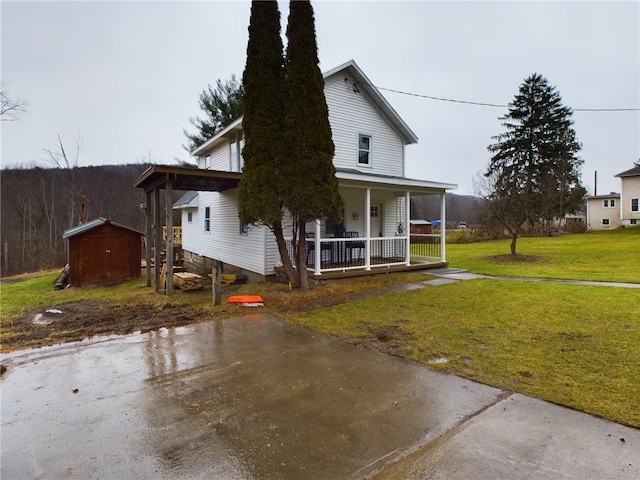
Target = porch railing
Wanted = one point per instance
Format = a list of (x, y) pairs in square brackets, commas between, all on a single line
[(350, 253)]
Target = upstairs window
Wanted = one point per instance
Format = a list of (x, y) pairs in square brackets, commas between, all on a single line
[(189, 217), (364, 150), (609, 203), (236, 143), (207, 162), (635, 204), (207, 219)]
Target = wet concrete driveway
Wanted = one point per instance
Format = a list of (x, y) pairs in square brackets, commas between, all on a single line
[(257, 398)]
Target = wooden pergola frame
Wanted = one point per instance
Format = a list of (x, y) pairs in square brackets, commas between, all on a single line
[(169, 178)]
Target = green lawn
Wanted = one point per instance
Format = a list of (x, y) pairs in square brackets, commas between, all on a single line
[(612, 256), (570, 344), (573, 345)]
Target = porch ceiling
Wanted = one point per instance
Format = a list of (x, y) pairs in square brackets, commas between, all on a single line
[(185, 178)]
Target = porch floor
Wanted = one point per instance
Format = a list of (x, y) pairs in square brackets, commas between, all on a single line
[(416, 264)]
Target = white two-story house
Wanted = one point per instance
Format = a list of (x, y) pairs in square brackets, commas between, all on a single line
[(617, 210), (370, 140)]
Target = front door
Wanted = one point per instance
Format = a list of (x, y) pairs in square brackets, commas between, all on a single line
[(376, 229)]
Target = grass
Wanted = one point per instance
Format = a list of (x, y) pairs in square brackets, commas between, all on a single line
[(572, 345), (596, 256)]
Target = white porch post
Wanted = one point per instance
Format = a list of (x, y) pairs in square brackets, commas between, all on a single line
[(443, 227), (407, 232), (367, 229), (317, 249)]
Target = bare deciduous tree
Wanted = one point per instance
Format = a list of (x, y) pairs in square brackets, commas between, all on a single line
[(10, 110)]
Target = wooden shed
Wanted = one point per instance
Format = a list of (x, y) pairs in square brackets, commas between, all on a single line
[(420, 227), (103, 250)]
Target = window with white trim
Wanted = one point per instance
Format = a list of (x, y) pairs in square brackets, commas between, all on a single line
[(207, 161), (605, 221), (635, 204), (634, 221), (364, 150), (189, 217), (207, 219), (609, 203)]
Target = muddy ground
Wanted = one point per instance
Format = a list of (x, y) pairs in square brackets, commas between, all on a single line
[(85, 319)]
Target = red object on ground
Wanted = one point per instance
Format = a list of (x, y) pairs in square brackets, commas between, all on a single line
[(246, 299)]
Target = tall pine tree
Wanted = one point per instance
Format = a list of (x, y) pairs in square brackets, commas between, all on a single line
[(534, 171), (311, 190), (262, 185), (221, 106)]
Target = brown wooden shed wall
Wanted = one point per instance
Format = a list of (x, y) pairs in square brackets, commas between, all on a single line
[(106, 252)]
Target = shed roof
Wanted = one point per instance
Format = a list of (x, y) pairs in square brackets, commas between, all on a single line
[(93, 224)]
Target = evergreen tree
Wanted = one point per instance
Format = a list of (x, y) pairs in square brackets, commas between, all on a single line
[(311, 185), (262, 184), (534, 171), (221, 106)]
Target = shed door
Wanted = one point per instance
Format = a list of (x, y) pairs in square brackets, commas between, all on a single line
[(95, 257), (105, 257)]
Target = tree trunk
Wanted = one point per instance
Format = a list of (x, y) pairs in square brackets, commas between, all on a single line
[(514, 238), (291, 272)]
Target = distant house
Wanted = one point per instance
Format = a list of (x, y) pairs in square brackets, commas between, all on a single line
[(630, 196), (103, 250), (603, 212), (617, 210)]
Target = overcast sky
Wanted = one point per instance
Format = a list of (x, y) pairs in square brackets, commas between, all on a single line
[(124, 77)]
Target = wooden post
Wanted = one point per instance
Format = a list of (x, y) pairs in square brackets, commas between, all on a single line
[(216, 276), (148, 220), (168, 191), (156, 237)]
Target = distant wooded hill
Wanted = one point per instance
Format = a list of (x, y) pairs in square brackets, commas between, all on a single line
[(39, 204), (459, 208)]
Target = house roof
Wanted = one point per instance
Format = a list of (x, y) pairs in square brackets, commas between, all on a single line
[(218, 137), (597, 197), (93, 224), (363, 85), (635, 171), (186, 178), (189, 199), (356, 177)]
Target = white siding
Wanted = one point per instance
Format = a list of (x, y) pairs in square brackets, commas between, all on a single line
[(220, 157), (351, 114), (630, 189), (224, 242), (596, 212)]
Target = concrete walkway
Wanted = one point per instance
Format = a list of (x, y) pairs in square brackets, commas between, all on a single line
[(255, 397), (460, 274)]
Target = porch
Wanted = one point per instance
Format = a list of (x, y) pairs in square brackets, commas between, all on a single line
[(350, 255)]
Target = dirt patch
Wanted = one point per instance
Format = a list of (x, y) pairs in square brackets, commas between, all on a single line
[(513, 258), (85, 319), (389, 339)]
